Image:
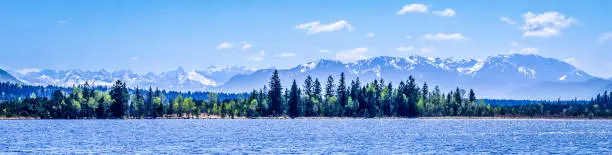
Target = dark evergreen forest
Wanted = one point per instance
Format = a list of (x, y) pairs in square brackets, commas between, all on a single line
[(309, 98)]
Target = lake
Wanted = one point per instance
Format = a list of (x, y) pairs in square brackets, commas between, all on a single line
[(351, 136)]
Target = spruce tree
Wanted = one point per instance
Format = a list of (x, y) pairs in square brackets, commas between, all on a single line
[(120, 96), (329, 87), (317, 90), (275, 94), (457, 96), (308, 86), (149, 108), (425, 91), (411, 94), (285, 105), (308, 91), (341, 91), (355, 89), (472, 97), (294, 99)]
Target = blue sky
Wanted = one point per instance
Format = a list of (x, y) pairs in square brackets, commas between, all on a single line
[(155, 36)]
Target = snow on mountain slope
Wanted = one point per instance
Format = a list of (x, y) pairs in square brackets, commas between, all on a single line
[(177, 79), (495, 77), (221, 75)]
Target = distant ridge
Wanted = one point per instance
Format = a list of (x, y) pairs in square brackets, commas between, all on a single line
[(499, 76), (494, 77), (6, 77)]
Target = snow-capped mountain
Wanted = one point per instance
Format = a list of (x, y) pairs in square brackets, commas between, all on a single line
[(495, 77), (500, 76), (222, 74), (177, 79)]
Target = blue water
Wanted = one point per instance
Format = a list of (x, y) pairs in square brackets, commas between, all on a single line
[(353, 136)]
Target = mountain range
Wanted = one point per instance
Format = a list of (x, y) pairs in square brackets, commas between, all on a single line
[(515, 76)]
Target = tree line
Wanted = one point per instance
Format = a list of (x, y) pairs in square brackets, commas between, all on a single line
[(310, 98), (17, 91)]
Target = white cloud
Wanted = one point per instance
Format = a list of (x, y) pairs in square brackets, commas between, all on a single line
[(426, 49), (133, 58), (370, 35), (286, 55), (416, 7), (352, 55), (445, 13), (604, 37), (29, 70), (257, 57), (225, 45), (514, 43), (443, 36), (324, 51), (528, 50), (404, 48), (408, 37), (546, 24), (316, 27), (246, 46), (507, 20)]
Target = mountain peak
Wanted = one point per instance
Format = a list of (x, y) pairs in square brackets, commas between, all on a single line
[(6, 77), (327, 61), (499, 73)]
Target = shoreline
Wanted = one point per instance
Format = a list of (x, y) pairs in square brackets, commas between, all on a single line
[(333, 118)]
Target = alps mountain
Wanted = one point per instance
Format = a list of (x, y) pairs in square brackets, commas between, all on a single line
[(502, 76), (495, 77), (177, 79)]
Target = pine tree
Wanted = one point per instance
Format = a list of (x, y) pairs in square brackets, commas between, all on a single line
[(425, 91), (120, 96), (308, 90), (285, 105), (472, 97), (411, 94), (355, 89), (317, 90), (294, 99), (56, 101), (87, 90), (458, 97), (341, 91), (452, 106), (138, 103), (141, 102), (275, 94), (149, 108), (355, 95), (308, 86), (329, 87)]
